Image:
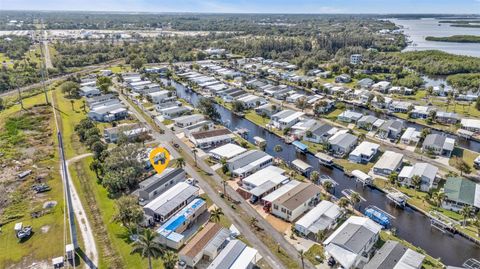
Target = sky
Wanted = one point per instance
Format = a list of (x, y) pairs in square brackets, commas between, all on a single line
[(252, 6)]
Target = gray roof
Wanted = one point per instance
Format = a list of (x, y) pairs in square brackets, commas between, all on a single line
[(392, 254), (368, 119), (321, 128), (354, 237), (230, 257), (396, 125), (434, 140), (344, 140), (154, 182)]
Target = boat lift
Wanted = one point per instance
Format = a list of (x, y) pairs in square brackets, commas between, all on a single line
[(442, 223), (472, 264), (397, 197), (324, 178), (348, 193)]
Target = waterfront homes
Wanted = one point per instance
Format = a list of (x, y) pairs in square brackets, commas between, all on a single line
[(389, 162), (411, 136), (320, 133), (267, 109), (89, 91), (460, 192), (158, 97), (108, 112), (171, 201), (292, 204), (324, 105), (235, 255), (364, 152), (426, 172), (322, 217), (211, 138), (353, 242), (285, 119), (422, 112), (170, 233), (100, 100), (438, 144), (390, 129), (174, 111), (366, 122), (302, 127), (249, 162), (251, 101), (472, 125), (130, 131), (401, 90), (342, 143), (262, 182), (349, 116), (400, 106), (204, 125), (188, 120), (204, 246), (447, 117), (159, 183), (442, 90), (395, 255), (226, 151)]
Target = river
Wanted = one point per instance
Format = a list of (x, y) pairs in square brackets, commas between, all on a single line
[(410, 224), (417, 30)]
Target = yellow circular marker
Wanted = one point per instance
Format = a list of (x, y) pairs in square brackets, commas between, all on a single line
[(159, 158)]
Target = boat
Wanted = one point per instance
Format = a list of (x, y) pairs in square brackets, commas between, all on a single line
[(325, 178), (377, 215), (300, 147), (324, 159)]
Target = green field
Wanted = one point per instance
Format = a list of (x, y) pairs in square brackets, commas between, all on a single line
[(47, 228)]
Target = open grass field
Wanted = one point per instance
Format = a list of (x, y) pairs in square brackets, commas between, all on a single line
[(22, 201), (467, 155)]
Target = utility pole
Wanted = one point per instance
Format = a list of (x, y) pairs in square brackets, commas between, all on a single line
[(44, 63)]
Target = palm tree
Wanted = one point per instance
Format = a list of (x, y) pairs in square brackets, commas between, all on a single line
[(84, 106), (354, 199), (278, 148), (169, 259), (72, 102), (254, 222), (216, 214), (328, 186), (314, 176), (194, 151), (320, 235), (465, 212), (361, 137), (147, 247), (416, 182), (301, 254), (343, 202), (180, 162), (438, 198)]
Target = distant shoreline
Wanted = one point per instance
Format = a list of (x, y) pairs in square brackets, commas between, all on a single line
[(455, 38)]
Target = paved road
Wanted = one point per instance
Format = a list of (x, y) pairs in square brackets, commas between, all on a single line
[(213, 193), (48, 60)]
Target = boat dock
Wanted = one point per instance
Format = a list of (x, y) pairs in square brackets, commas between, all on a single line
[(397, 197), (348, 193), (442, 223)]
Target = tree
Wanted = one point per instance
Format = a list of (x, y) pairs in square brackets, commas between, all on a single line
[(343, 202), (461, 165), (96, 167), (238, 106), (137, 63), (328, 185), (278, 148), (180, 162), (216, 214), (438, 198), (169, 259), (70, 88), (98, 147), (128, 211), (223, 162), (301, 254), (465, 212), (207, 107), (314, 176), (2, 104), (84, 106), (393, 177), (425, 132), (147, 247), (355, 199), (194, 151), (72, 102), (104, 83), (254, 222), (416, 182), (301, 103)]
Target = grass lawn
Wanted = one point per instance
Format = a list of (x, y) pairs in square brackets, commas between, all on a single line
[(117, 69), (313, 252), (467, 155), (33, 250), (334, 114), (313, 147), (6, 59), (70, 118), (112, 240), (350, 166)]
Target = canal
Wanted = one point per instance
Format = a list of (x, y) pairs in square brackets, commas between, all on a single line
[(411, 225)]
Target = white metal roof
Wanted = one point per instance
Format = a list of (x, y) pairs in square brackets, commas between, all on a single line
[(227, 151), (281, 191), (389, 160), (270, 173), (324, 214), (365, 148)]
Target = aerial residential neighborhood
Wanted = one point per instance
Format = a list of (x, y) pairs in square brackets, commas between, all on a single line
[(240, 135)]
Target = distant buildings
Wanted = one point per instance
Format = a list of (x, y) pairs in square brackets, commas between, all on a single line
[(356, 59)]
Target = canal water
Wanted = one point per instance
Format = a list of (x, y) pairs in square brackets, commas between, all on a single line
[(410, 224)]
